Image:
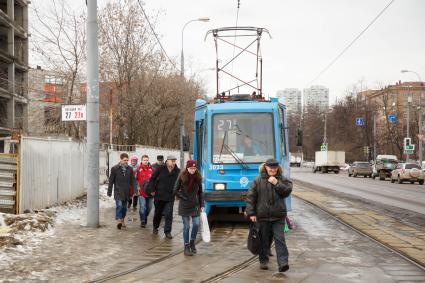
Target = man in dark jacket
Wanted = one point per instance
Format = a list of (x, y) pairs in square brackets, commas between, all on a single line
[(265, 205), (121, 178), (161, 185), (159, 162)]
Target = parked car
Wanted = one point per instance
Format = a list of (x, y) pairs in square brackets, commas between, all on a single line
[(410, 172), (361, 168)]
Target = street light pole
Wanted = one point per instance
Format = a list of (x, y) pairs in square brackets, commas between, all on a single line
[(182, 131), (409, 101), (421, 114)]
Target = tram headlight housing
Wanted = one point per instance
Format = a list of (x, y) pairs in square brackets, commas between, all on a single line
[(219, 186)]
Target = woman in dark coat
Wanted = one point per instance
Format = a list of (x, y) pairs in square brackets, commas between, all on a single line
[(188, 190)]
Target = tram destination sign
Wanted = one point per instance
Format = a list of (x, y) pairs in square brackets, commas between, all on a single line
[(74, 112)]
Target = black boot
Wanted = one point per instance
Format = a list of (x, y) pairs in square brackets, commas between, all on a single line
[(187, 250), (192, 246)]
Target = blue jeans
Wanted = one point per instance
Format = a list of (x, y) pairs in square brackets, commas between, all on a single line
[(186, 228), (275, 228), (145, 208), (121, 209)]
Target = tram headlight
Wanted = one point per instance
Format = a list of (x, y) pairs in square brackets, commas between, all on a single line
[(219, 186)]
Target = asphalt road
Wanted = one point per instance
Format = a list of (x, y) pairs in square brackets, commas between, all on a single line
[(405, 196)]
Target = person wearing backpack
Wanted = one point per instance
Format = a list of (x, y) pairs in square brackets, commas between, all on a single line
[(145, 200), (265, 204), (188, 190)]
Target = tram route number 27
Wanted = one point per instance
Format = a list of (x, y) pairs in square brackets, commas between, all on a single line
[(73, 112), (225, 124)]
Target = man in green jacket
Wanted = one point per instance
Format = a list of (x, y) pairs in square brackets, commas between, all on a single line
[(265, 205)]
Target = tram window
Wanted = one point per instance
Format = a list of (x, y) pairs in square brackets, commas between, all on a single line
[(199, 136), (282, 130), (248, 136)]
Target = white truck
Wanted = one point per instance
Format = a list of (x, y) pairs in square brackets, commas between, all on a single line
[(296, 159), (326, 161)]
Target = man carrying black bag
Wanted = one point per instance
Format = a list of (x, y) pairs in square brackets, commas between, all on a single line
[(265, 206)]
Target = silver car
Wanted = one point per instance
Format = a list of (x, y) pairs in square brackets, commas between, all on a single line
[(360, 168), (410, 172)]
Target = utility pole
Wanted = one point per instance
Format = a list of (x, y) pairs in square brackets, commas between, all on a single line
[(324, 134), (374, 137), (421, 115), (110, 118), (409, 100), (92, 116), (181, 141)]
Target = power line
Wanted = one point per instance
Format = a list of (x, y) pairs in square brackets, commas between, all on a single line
[(156, 36), (352, 42)]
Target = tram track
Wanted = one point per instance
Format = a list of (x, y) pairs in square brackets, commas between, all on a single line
[(219, 236), (353, 228), (250, 261), (382, 229)]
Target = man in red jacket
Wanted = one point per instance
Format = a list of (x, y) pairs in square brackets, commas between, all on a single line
[(145, 200)]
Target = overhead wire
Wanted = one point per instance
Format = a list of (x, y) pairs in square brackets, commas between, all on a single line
[(352, 42), (234, 40), (156, 36)]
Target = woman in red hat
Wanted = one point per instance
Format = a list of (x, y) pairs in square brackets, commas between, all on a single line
[(188, 190)]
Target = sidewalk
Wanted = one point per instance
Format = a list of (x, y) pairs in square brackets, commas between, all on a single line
[(72, 253)]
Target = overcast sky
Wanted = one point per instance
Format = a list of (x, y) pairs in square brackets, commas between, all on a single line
[(306, 36)]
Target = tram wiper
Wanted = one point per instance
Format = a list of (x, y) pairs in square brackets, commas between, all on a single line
[(222, 146), (235, 156)]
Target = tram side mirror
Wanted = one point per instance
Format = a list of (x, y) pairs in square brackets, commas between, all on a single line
[(299, 137), (186, 143)]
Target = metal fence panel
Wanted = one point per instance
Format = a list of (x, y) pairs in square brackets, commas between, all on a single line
[(52, 171)]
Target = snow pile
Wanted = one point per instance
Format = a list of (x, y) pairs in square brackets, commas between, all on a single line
[(35, 222), (15, 230)]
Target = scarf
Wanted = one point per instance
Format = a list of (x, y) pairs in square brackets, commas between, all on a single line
[(192, 179)]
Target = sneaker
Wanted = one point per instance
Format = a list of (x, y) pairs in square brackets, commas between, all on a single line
[(283, 268), (192, 247), (143, 225), (168, 235), (187, 250), (155, 231), (264, 266), (119, 224)]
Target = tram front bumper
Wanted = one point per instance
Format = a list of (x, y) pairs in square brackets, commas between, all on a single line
[(225, 196)]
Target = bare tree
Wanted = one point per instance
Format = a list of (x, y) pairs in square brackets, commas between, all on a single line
[(59, 40)]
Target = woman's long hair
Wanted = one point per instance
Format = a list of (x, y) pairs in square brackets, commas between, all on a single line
[(184, 177)]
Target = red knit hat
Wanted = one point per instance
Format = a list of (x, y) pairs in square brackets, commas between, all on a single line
[(190, 163)]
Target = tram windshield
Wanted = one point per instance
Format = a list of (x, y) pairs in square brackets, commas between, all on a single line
[(243, 138)]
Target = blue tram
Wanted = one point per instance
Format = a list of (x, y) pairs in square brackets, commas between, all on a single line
[(232, 138)]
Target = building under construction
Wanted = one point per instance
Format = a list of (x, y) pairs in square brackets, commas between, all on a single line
[(13, 67)]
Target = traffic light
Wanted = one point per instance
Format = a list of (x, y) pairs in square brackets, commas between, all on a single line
[(299, 137), (366, 150), (186, 143)]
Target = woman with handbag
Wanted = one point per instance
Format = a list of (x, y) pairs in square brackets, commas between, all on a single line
[(188, 190)]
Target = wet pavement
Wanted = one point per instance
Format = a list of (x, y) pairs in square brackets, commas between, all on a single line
[(321, 250)]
